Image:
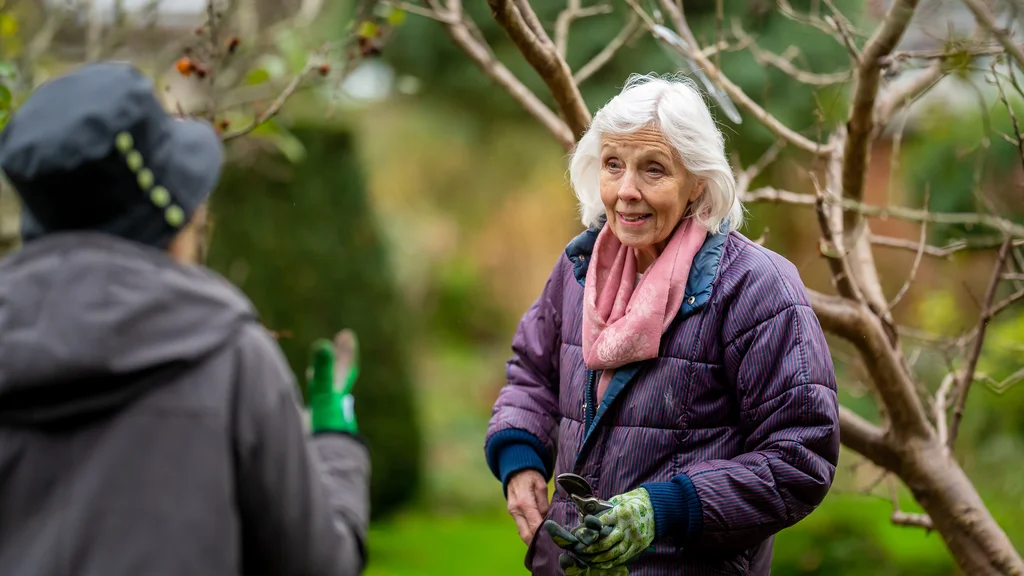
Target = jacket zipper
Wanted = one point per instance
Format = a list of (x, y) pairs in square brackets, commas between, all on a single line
[(590, 411)]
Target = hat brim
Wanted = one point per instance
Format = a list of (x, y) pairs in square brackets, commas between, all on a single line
[(195, 162)]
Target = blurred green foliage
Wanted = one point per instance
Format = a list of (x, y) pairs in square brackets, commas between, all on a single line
[(301, 240), (966, 164)]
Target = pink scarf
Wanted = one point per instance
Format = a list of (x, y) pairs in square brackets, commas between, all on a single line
[(623, 320)]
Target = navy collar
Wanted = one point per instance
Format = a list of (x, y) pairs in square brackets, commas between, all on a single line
[(702, 273)]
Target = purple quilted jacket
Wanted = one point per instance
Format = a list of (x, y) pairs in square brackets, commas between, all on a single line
[(733, 429)]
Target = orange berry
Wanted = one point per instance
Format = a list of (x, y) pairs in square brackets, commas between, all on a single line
[(185, 66)]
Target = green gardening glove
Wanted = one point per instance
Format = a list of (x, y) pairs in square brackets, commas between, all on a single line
[(333, 373), (632, 531)]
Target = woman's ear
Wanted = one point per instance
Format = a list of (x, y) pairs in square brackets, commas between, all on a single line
[(698, 189)]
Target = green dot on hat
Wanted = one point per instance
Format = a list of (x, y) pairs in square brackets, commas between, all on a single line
[(175, 216), (124, 142), (160, 196), (145, 179), (134, 160)]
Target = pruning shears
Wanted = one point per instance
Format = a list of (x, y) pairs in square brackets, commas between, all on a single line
[(587, 504)]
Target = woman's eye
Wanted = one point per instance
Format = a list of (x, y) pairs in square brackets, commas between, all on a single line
[(612, 164), (655, 170)]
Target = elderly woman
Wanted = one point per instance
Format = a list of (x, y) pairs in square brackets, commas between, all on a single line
[(671, 362)]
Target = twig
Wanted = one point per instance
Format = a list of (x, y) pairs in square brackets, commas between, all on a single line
[(1007, 302), (942, 406), (936, 251), (891, 59), (529, 17), (900, 97), (860, 125), (1019, 143), (411, 8), (967, 375), (985, 18), (735, 92), (574, 12), (520, 23), (608, 52), (834, 250), (744, 178), (461, 29), (847, 40), (866, 439), (274, 107), (917, 260), (763, 56), (1007, 227), (901, 518), (212, 29), (832, 30)]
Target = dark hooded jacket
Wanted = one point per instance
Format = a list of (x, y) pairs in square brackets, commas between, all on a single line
[(150, 425)]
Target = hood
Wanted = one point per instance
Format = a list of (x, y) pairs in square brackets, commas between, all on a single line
[(89, 322)]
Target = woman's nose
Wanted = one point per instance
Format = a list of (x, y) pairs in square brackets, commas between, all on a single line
[(628, 190)]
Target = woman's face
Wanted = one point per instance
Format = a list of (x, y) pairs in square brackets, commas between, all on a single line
[(645, 188)]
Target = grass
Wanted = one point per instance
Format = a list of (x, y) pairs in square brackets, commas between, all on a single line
[(419, 543)]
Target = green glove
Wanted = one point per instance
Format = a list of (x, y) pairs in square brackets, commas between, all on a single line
[(574, 567), (575, 541), (333, 373), (632, 531)]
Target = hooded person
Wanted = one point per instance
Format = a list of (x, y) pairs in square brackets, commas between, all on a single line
[(148, 423)]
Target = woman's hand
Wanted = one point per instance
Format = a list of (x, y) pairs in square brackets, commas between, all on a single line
[(617, 536), (527, 502)]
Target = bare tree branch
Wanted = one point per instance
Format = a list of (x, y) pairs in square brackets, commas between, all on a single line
[(769, 194), (745, 177), (866, 438), (892, 101), (541, 53), (458, 26), (917, 262), (274, 107), (936, 251), (574, 11), (831, 27), (967, 375), (734, 91), (860, 125), (608, 52), (1007, 302), (895, 386), (942, 406), (1019, 142), (987, 19), (958, 52), (784, 64), (901, 518), (832, 248)]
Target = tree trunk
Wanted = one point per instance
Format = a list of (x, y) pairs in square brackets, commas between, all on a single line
[(975, 540)]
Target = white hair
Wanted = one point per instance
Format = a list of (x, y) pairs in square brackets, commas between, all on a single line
[(675, 106)]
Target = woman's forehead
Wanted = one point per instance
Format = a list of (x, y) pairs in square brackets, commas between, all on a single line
[(648, 137)]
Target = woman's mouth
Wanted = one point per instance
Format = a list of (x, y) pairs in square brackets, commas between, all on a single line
[(633, 219)]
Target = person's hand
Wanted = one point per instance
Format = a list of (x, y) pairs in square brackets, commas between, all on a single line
[(617, 535), (333, 373), (527, 502)]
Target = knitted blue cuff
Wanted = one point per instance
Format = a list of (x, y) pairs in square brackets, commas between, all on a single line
[(677, 509)]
